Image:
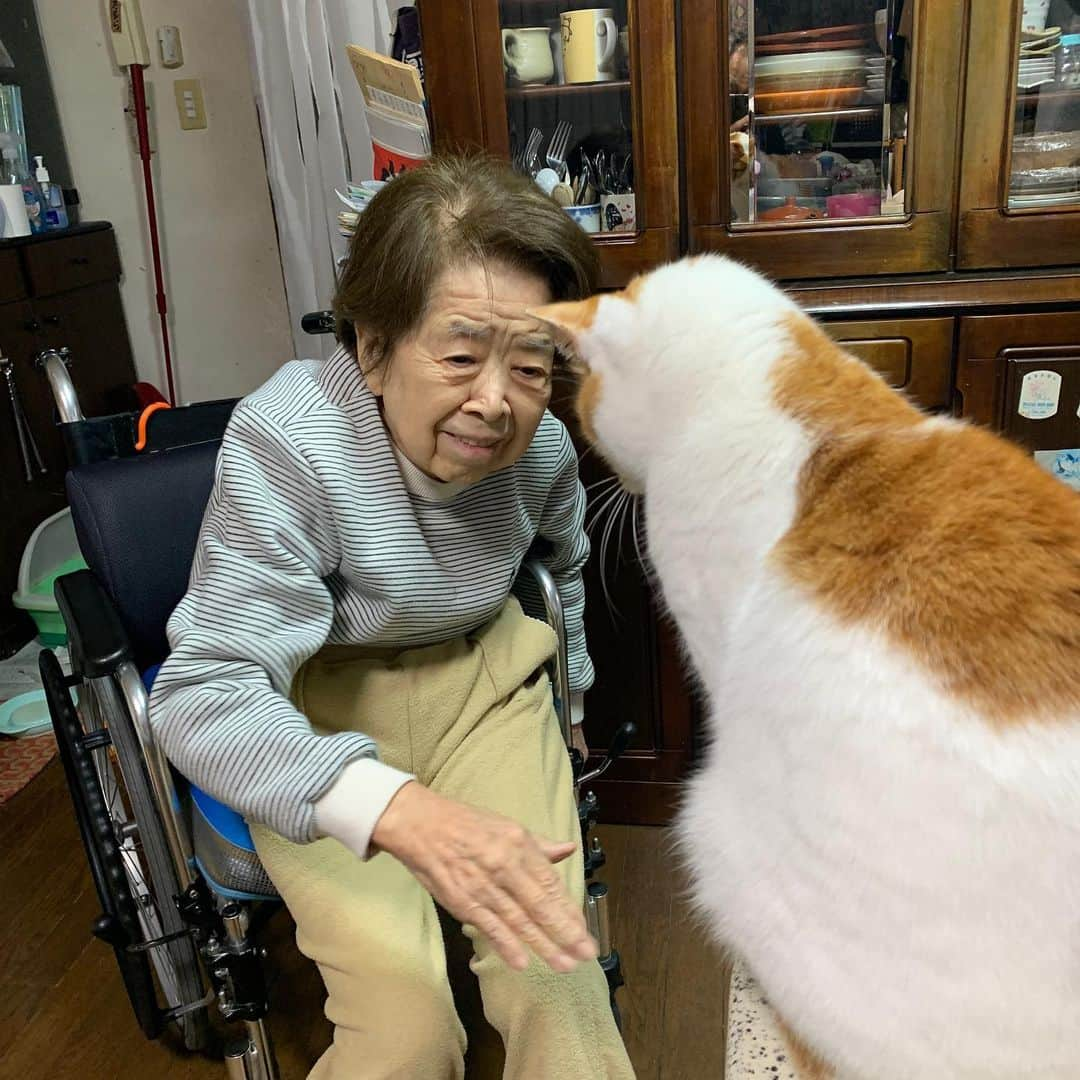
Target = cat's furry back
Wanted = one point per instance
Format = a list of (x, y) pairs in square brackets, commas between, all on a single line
[(884, 609)]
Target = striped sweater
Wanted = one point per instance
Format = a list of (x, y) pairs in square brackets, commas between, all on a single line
[(318, 531)]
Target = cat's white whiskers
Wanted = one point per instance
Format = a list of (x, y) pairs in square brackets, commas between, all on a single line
[(603, 482), (608, 498), (627, 504), (637, 534), (605, 539)]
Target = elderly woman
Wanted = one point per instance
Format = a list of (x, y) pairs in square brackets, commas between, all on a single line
[(349, 668)]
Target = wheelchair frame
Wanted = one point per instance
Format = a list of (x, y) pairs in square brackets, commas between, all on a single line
[(219, 927)]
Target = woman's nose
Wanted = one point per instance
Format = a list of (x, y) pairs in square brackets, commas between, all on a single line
[(488, 397)]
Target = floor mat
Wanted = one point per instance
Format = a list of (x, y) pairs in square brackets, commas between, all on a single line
[(755, 1045), (21, 760)]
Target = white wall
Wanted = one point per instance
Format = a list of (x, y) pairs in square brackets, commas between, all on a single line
[(228, 321)]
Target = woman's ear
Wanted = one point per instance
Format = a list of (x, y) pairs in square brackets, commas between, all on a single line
[(372, 363)]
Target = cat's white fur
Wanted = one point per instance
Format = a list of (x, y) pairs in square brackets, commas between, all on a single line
[(903, 879)]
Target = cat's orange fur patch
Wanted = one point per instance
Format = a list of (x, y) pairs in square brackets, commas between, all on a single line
[(588, 395), (963, 552), (571, 316)]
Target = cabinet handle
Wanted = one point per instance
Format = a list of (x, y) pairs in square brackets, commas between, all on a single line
[(80, 260), (32, 325), (51, 320)]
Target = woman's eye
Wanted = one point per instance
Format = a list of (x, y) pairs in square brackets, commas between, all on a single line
[(460, 361), (533, 372)]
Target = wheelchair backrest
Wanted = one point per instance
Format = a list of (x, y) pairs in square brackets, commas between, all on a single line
[(137, 520)]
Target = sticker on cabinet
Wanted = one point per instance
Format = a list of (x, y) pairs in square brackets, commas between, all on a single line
[(1040, 392), (1064, 464)]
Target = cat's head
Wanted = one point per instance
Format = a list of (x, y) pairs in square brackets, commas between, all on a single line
[(656, 354)]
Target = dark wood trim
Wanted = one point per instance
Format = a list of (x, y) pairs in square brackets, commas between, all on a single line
[(927, 375), (938, 293), (708, 114), (623, 258), (982, 344), (629, 803), (994, 238), (985, 336), (451, 74), (916, 244), (906, 247)]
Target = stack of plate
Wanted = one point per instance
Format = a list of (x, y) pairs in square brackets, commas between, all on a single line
[(820, 39), (1035, 43), (1038, 60), (875, 78), (1044, 187), (1035, 72), (809, 81)]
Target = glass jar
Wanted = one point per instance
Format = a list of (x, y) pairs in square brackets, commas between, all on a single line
[(1069, 61)]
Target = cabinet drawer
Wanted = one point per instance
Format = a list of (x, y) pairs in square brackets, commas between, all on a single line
[(71, 262), (12, 286), (914, 355)]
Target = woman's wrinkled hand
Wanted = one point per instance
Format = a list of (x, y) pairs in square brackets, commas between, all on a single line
[(490, 872), (579, 743)]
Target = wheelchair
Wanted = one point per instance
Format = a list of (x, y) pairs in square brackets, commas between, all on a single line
[(181, 889)]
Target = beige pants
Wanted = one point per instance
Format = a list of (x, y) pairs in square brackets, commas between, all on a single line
[(473, 719)]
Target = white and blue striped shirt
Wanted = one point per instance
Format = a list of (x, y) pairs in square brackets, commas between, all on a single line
[(318, 532)]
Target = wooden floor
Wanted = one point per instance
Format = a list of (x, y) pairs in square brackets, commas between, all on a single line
[(63, 1012)]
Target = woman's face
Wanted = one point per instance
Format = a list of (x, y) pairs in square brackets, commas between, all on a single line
[(464, 393)]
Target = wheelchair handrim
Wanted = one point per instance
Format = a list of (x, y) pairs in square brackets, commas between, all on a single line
[(147, 867)]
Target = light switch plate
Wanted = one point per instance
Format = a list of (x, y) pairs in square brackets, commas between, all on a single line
[(189, 104), (169, 46)]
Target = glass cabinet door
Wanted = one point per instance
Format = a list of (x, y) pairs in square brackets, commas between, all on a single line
[(1045, 170), (569, 106), (581, 98), (1019, 203), (821, 135), (819, 110)]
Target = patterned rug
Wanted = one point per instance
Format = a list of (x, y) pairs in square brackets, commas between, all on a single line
[(756, 1046), (21, 760)]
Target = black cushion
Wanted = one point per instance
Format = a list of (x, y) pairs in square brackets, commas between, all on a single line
[(137, 520)]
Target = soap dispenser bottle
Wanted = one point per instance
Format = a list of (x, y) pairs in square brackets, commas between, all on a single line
[(54, 212)]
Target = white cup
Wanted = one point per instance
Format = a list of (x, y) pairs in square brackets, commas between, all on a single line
[(527, 53)]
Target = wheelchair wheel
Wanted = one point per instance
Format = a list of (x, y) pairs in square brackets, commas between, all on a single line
[(127, 853)]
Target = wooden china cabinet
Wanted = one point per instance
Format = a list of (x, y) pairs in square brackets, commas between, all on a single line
[(909, 170)]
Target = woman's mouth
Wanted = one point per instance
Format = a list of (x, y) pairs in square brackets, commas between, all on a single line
[(472, 448)]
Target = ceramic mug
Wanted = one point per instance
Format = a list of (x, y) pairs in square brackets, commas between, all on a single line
[(618, 213), (590, 39), (527, 54), (554, 27)]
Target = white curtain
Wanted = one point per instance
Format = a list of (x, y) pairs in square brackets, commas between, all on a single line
[(314, 133)]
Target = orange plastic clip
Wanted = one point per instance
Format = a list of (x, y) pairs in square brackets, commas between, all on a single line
[(144, 417)]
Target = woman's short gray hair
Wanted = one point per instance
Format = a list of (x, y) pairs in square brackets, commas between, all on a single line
[(453, 210)]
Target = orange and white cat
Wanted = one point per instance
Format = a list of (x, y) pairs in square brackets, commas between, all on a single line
[(884, 609)]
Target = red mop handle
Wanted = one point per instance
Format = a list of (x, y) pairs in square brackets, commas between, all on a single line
[(138, 93)]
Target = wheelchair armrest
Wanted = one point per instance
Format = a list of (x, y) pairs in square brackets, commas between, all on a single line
[(94, 629)]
